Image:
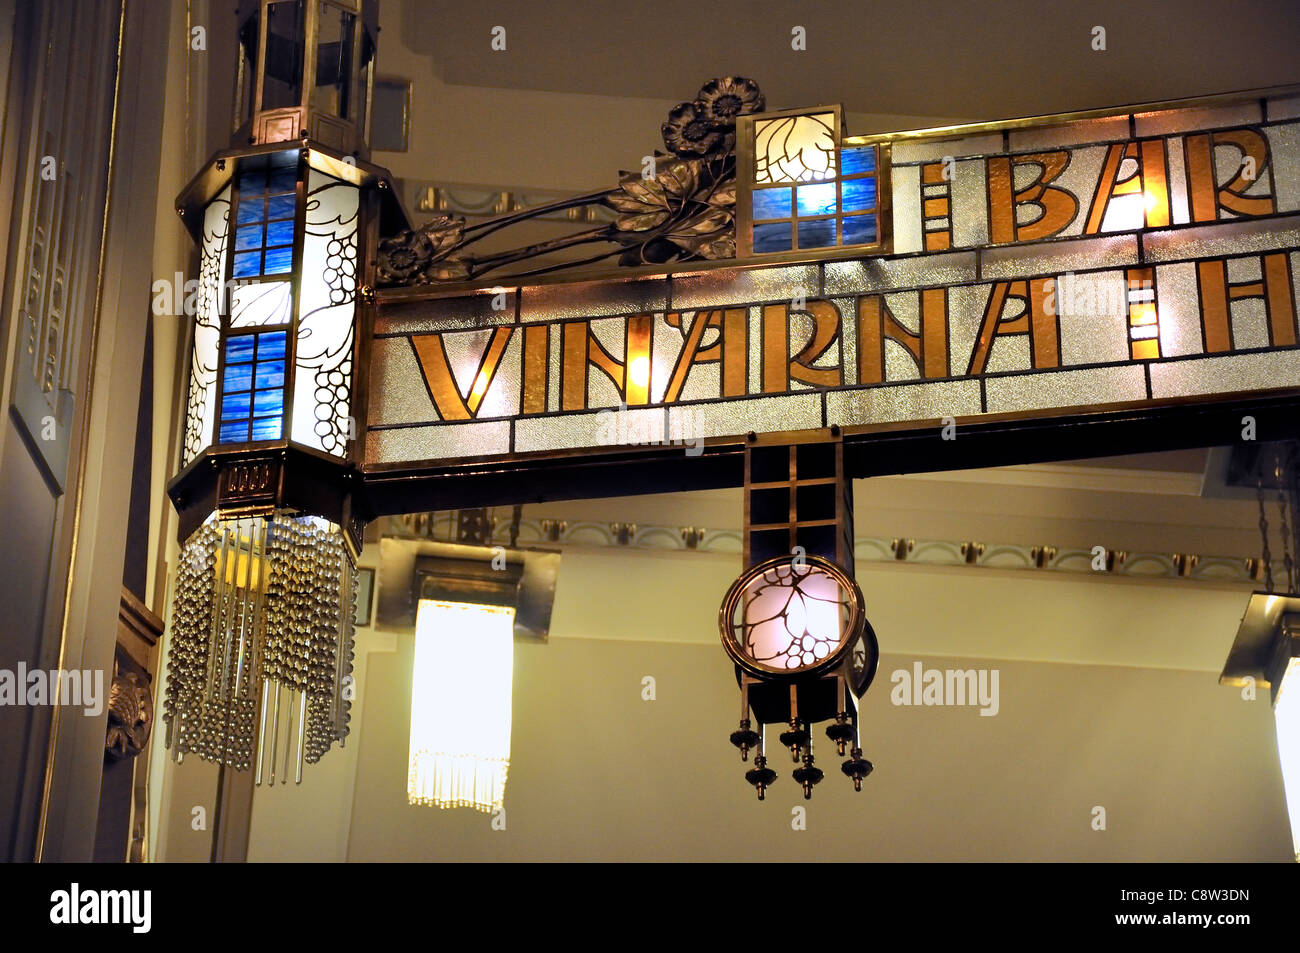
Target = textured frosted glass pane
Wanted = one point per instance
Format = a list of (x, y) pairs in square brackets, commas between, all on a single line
[(928, 401), (436, 442), (322, 397), (251, 210), (1019, 260)]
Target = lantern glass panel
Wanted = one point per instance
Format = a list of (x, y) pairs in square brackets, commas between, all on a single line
[(332, 91), (282, 73), (322, 396)]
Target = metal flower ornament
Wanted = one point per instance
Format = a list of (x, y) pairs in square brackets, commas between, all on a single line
[(680, 207)]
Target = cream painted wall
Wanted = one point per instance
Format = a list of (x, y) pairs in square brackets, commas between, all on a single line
[(1108, 696)]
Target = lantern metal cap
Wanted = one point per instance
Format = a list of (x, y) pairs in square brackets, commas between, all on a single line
[(1260, 639), (218, 171)]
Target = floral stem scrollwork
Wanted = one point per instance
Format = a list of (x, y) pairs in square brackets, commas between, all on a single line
[(681, 208)]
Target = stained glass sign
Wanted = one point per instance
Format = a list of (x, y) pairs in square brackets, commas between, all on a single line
[(1126, 259)]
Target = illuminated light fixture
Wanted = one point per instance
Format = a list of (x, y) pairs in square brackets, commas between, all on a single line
[(468, 602), (461, 704), (1266, 651), (804, 651), (260, 643)]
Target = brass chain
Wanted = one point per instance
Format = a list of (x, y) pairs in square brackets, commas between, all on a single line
[(1263, 534), (1285, 527)]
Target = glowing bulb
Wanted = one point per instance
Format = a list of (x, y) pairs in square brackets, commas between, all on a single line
[(460, 705), (480, 385), (639, 371)]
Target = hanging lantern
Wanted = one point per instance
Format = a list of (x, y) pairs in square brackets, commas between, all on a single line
[(261, 638), (794, 622)]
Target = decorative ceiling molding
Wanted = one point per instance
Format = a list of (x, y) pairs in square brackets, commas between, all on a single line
[(1231, 570)]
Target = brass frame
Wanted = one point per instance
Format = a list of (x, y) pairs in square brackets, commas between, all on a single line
[(731, 603), (884, 242)]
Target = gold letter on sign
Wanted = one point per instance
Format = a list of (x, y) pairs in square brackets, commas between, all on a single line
[(728, 349), (929, 348), (631, 376), (1207, 196), (1058, 206), (779, 368), (451, 404), (1034, 320), (1217, 293), (1144, 176)]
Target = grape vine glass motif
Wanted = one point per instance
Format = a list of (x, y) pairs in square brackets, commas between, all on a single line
[(326, 326), (201, 401), (792, 616)]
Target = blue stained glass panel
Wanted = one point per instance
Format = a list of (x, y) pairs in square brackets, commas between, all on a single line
[(249, 236), (238, 377), (281, 206), (251, 183), (283, 180), (234, 405), (239, 348), (817, 234), (235, 431), (859, 229), (770, 238), (270, 345), (280, 233), (270, 374), (250, 210), (816, 199), (247, 264), (771, 203), (278, 260), (858, 159), (266, 428), (268, 402), (859, 194)]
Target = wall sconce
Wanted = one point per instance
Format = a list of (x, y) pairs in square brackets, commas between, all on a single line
[(1266, 654), (468, 602)]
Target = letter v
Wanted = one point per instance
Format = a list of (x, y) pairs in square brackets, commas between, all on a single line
[(438, 375)]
